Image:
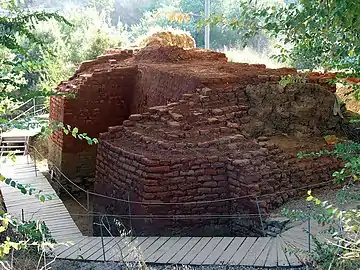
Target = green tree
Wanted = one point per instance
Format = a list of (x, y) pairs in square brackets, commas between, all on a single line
[(158, 18), (319, 33), (15, 24)]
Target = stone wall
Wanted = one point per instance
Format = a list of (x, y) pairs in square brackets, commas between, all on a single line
[(203, 148)]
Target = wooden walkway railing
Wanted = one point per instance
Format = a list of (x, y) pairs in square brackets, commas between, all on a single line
[(249, 251)]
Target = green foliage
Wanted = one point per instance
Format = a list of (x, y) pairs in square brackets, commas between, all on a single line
[(68, 130), (349, 152), (27, 234), (291, 79), (315, 33), (14, 26), (345, 243), (160, 19), (19, 66), (104, 7), (328, 256)]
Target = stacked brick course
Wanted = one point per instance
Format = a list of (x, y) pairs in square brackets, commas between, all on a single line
[(108, 89), (208, 147), (94, 108), (181, 126)]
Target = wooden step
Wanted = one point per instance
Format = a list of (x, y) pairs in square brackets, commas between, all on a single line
[(11, 146), (15, 141)]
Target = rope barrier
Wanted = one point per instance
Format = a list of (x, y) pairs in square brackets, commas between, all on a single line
[(182, 203), (166, 216), (71, 195), (210, 201)]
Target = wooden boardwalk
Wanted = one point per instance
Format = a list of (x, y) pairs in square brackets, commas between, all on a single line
[(53, 213), (247, 251)]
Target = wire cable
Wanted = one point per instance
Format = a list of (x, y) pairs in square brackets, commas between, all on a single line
[(185, 203)]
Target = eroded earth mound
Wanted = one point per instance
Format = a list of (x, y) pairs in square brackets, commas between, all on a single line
[(168, 38)]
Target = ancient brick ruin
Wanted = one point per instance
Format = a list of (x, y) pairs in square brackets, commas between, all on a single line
[(178, 126)]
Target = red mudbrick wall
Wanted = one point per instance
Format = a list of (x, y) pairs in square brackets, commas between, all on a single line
[(102, 100), (217, 130), (208, 146)]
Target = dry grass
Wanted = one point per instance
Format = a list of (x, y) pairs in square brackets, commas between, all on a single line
[(351, 104), (250, 56)]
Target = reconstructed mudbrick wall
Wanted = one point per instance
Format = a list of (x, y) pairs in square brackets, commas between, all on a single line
[(178, 126), (102, 100), (108, 89), (213, 145)]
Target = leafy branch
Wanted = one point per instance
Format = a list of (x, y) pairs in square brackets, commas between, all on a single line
[(31, 122), (73, 131), (32, 233), (347, 239)]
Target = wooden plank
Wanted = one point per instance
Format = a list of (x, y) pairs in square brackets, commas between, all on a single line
[(128, 247), (272, 258), (63, 228), (50, 212), (242, 251), (46, 212), (76, 247), (135, 254), (67, 229), (261, 260), (95, 241), (53, 227), (255, 251), (60, 249), (282, 260), (150, 250), (171, 252), (36, 205), (34, 208), (195, 250), (162, 250), (229, 252), (184, 250), (62, 220), (65, 238), (290, 255), (32, 183), (95, 248), (216, 253), (296, 243), (113, 251), (206, 251)]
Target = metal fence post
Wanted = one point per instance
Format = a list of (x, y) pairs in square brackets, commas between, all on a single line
[(35, 162), (34, 105), (309, 235), (88, 210), (260, 216), (87, 201), (129, 209), (22, 215), (102, 237)]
